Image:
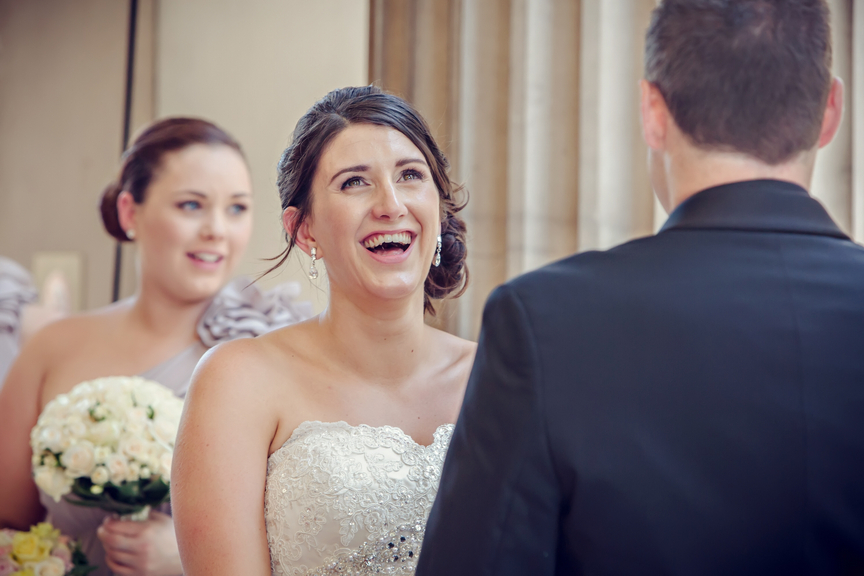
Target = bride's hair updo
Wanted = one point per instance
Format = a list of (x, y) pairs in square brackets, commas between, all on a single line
[(370, 105), (144, 157)]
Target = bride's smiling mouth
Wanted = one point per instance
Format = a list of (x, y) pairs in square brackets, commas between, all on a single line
[(389, 246)]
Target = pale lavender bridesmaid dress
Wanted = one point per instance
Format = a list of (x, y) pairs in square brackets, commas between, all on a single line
[(238, 311)]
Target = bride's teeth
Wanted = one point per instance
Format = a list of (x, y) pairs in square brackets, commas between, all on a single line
[(375, 241), (204, 257)]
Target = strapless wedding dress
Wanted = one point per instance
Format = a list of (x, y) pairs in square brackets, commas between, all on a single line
[(344, 499)]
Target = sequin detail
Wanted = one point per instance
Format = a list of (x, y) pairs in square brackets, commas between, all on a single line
[(344, 499), (394, 554)]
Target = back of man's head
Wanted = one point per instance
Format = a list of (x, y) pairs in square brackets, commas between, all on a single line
[(749, 76)]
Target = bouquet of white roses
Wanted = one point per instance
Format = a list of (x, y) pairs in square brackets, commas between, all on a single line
[(108, 444), (42, 551)]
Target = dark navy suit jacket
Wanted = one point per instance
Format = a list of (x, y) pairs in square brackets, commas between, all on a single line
[(690, 403)]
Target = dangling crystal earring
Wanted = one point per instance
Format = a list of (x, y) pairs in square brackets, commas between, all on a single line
[(313, 271), (437, 261)]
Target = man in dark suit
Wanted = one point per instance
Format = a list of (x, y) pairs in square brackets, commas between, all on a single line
[(690, 403)]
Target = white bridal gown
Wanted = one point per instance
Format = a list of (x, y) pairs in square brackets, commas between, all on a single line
[(344, 499)]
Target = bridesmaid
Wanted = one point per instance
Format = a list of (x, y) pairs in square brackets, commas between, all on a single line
[(184, 196)]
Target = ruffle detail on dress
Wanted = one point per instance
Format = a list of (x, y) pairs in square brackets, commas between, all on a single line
[(16, 291), (242, 310)]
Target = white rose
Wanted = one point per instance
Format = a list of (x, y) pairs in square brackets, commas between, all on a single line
[(53, 439), (75, 427), (53, 566), (79, 459), (52, 481), (81, 407), (106, 432), (165, 466), (118, 468), (102, 453), (136, 420), (100, 476), (145, 472), (164, 431), (134, 471), (99, 413), (6, 537), (170, 409), (133, 447)]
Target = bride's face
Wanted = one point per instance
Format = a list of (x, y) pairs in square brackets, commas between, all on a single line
[(375, 214), (195, 221)]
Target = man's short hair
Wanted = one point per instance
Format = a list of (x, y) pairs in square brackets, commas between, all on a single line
[(750, 76)]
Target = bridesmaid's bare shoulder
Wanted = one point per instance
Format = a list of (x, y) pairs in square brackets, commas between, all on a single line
[(66, 336)]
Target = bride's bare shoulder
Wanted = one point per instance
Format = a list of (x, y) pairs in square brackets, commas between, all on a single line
[(254, 362), (460, 350)]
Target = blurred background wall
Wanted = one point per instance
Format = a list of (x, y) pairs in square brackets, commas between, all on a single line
[(534, 101), (253, 67)]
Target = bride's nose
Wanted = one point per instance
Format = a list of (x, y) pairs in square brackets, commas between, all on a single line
[(389, 204)]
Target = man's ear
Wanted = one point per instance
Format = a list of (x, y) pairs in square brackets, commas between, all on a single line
[(299, 231), (127, 212), (655, 115), (833, 113)]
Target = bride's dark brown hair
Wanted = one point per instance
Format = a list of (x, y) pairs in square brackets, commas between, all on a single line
[(144, 157), (370, 105)]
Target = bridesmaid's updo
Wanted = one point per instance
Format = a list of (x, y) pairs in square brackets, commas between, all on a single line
[(371, 105), (144, 157)]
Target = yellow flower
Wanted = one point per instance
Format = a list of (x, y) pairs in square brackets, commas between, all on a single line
[(28, 547), (25, 572), (46, 531)]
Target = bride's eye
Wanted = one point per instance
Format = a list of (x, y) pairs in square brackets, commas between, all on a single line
[(412, 174), (352, 182)]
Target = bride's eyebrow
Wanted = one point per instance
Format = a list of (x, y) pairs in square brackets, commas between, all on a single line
[(358, 168)]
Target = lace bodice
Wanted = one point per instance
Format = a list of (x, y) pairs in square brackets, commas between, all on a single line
[(344, 499)]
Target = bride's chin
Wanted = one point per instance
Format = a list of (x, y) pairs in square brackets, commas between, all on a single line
[(395, 291)]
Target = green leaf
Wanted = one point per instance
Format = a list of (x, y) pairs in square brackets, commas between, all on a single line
[(130, 491), (156, 491), (80, 565)]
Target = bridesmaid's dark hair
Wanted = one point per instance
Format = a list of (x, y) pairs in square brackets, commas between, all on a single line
[(371, 105), (144, 157)]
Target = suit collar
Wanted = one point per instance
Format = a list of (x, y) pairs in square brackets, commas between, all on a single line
[(759, 205)]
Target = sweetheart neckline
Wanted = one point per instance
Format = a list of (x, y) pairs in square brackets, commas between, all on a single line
[(344, 424)]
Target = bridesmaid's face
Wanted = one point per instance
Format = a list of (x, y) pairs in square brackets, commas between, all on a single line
[(375, 214), (195, 221)]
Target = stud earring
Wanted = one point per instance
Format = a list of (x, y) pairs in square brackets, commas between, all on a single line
[(130, 234), (437, 261), (313, 271)]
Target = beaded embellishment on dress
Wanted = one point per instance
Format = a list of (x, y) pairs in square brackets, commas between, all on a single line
[(344, 499)]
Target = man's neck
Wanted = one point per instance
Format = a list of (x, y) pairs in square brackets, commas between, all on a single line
[(693, 170)]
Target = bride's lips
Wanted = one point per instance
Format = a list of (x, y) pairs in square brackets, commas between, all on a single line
[(206, 260), (391, 256)]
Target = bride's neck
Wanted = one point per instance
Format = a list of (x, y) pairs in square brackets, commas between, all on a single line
[(157, 312), (380, 341)]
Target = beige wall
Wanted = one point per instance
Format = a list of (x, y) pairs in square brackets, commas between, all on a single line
[(61, 93), (251, 66), (254, 68)]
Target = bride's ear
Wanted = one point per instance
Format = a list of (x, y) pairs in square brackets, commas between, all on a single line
[(299, 231)]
